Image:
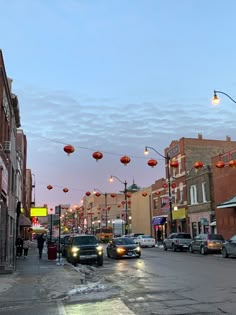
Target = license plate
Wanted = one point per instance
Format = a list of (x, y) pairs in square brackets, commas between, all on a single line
[(130, 254)]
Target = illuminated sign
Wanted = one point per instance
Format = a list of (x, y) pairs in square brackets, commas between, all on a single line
[(38, 212)]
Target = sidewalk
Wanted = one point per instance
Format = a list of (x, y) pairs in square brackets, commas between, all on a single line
[(37, 279)]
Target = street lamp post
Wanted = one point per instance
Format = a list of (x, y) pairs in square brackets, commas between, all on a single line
[(216, 99), (126, 207), (167, 159), (105, 196)]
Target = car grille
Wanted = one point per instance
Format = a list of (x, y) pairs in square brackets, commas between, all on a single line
[(90, 251)]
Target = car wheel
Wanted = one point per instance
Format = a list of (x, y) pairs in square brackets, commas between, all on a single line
[(224, 252), (190, 249), (100, 261), (164, 247), (202, 250), (173, 247)]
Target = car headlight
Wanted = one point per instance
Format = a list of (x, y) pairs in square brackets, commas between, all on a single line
[(99, 248), (138, 249), (120, 250), (74, 249)]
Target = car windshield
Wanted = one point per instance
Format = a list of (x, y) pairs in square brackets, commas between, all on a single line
[(183, 236), (85, 240), (215, 237), (124, 241), (145, 236)]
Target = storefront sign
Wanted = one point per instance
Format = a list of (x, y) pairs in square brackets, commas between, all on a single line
[(179, 214)]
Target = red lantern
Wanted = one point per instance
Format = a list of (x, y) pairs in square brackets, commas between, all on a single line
[(125, 160), (118, 206), (65, 190), (123, 202), (49, 187), (99, 208), (113, 195), (165, 185), (97, 194), (198, 165), (97, 155), (109, 208), (69, 149), (98, 212), (174, 163), (128, 195), (129, 202), (173, 185), (232, 163), (88, 208), (144, 194), (220, 164), (88, 193), (152, 162), (157, 193)]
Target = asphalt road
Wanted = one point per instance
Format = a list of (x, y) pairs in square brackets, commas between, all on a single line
[(159, 283), (175, 283)]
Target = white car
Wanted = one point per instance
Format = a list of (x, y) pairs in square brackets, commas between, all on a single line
[(145, 241)]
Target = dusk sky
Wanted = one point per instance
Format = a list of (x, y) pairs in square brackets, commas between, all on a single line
[(115, 76)]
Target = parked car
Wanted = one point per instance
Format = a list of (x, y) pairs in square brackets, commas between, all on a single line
[(178, 241), (135, 234), (229, 247), (84, 248), (145, 241), (206, 243), (123, 246)]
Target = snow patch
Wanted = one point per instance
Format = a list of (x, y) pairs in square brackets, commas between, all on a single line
[(88, 288)]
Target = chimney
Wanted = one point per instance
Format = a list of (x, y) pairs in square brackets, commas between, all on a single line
[(228, 138), (200, 136)]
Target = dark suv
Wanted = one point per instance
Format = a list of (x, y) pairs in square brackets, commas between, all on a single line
[(84, 248), (206, 243)]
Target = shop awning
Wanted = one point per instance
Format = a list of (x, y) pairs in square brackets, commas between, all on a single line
[(231, 203), (158, 220), (24, 221)]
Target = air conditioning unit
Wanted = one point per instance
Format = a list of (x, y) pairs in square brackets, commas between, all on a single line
[(7, 146)]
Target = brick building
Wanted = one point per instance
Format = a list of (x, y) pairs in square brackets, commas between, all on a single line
[(9, 122), (192, 200), (224, 183)]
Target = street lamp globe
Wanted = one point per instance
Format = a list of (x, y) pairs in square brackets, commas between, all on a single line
[(215, 99)]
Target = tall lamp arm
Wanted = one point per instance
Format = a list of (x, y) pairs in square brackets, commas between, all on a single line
[(220, 92), (164, 157)]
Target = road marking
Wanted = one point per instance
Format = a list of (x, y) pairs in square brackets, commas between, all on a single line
[(61, 309)]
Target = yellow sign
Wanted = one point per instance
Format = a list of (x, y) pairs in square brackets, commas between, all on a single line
[(179, 214), (38, 212)]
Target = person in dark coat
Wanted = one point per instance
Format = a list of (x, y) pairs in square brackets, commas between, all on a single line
[(19, 246), (40, 241)]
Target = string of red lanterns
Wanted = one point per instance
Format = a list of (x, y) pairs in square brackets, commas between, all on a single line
[(219, 164)]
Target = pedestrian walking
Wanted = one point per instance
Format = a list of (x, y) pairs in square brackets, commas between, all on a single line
[(19, 246), (40, 241), (26, 245)]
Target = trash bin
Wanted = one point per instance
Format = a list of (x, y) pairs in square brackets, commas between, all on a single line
[(52, 252)]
